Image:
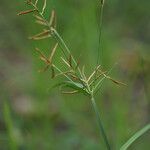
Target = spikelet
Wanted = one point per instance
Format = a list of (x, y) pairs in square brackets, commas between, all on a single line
[(36, 2), (63, 73), (52, 20), (116, 82), (39, 51), (41, 22), (39, 18), (44, 6), (53, 52), (42, 56), (83, 73), (93, 73), (65, 61), (53, 72), (70, 92), (77, 66), (74, 77), (44, 59), (26, 12), (102, 2), (44, 69), (70, 60), (42, 35), (29, 2)]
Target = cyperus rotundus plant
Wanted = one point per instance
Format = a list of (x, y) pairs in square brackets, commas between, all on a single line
[(75, 77)]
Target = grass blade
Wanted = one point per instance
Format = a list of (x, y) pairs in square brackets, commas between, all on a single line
[(135, 137), (9, 126)]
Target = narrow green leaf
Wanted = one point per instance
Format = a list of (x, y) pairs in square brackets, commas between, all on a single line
[(9, 126), (76, 86), (73, 85), (135, 137)]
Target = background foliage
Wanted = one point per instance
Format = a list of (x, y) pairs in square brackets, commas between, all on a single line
[(45, 119)]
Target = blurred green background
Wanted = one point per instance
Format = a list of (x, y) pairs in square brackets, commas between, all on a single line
[(44, 119)]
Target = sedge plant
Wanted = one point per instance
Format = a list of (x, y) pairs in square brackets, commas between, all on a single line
[(74, 74)]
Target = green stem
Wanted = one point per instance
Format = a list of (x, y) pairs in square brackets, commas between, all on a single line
[(100, 30), (62, 73), (63, 44), (102, 131)]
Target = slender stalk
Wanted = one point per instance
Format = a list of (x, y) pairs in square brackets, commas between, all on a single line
[(62, 72), (101, 128), (61, 41), (100, 30)]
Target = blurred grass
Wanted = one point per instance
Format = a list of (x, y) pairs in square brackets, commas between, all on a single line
[(48, 120)]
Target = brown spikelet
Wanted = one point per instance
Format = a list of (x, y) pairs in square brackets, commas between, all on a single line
[(44, 69), (44, 6), (63, 73), (65, 61), (41, 22), (43, 57), (39, 51), (45, 60), (29, 2), (53, 72), (26, 12), (74, 77), (102, 2), (41, 38), (100, 74), (77, 66), (115, 81), (42, 35), (53, 21), (93, 73), (36, 2), (69, 92), (70, 60), (53, 52), (39, 18)]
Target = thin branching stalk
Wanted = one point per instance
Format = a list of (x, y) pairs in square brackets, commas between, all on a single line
[(61, 41), (77, 79)]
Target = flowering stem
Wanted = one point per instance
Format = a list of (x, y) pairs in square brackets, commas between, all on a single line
[(101, 128), (61, 42)]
